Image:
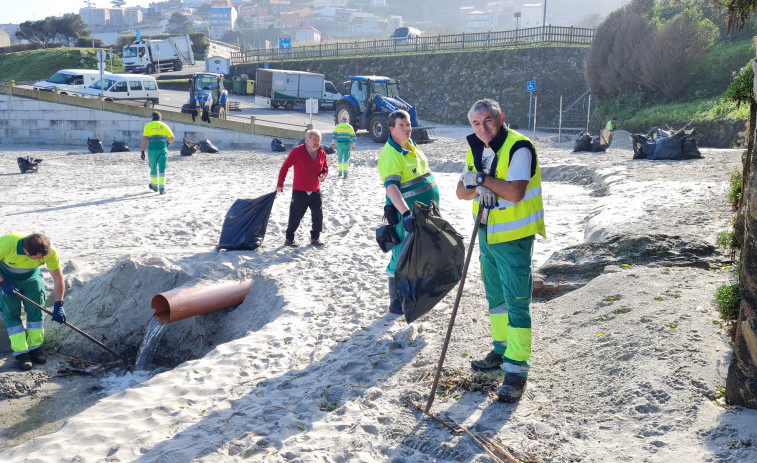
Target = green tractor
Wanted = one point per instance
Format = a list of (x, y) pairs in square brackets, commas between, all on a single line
[(207, 95)]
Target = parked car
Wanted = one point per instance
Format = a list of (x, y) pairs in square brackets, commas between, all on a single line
[(70, 80), (124, 87)]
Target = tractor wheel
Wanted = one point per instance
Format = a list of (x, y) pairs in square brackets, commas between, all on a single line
[(379, 128), (186, 109), (150, 69), (345, 108), (289, 105)]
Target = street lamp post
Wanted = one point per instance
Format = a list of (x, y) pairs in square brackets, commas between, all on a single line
[(517, 17), (544, 15), (91, 32)]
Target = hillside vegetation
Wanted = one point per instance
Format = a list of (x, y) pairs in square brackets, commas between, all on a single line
[(41, 64)]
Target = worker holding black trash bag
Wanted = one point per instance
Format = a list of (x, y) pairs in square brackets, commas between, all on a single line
[(406, 175), (502, 174)]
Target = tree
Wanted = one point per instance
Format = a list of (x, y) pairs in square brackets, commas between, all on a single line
[(118, 3), (36, 31), (70, 28), (676, 48), (179, 24)]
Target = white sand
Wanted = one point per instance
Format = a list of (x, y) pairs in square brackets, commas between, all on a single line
[(310, 368)]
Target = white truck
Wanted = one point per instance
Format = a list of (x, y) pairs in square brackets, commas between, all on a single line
[(169, 54), (279, 87)]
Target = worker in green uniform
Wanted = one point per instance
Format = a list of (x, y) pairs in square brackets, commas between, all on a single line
[(404, 170), (502, 175), (611, 124), (20, 259), (156, 138), (342, 138)]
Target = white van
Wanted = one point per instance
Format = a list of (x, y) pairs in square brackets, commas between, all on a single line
[(404, 35), (70, 80), (124, 87)]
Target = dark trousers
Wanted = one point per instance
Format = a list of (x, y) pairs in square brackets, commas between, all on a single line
[(301, 202)]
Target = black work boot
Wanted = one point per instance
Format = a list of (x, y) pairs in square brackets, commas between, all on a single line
[(395, 301), (512, 388), (290, 243), (24, 361), (37, 356), (492, 361)]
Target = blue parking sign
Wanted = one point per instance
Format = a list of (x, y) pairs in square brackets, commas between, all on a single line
[(531, 86), (266, 66)]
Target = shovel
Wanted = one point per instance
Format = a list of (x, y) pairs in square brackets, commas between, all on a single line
[(71, 326)]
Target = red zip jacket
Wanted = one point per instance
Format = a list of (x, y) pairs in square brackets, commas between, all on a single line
[(306, 169)]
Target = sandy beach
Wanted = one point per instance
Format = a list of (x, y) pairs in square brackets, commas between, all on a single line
[(312, 368)]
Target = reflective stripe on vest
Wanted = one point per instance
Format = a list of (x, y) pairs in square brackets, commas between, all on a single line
[(510, 221)]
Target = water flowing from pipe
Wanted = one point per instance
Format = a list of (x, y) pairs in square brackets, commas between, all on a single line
[(153, 334)]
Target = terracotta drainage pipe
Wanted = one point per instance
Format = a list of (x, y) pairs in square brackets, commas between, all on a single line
[(181, 303)]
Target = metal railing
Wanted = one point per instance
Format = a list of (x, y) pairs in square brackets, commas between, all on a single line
[(548, 35)]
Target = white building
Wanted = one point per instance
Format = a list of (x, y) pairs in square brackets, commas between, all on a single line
[(331, 3), (307, 34), (531, 15), (222, 18), (481, 21)]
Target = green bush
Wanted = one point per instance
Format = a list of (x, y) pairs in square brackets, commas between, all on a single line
[(734, 194), (741, 90), (726, 240), (728, 299)]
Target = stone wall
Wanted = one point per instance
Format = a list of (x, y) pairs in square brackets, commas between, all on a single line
[(444, 85)]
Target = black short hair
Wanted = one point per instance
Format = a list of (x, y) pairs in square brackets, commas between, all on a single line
[(156, 116), (398, 114)]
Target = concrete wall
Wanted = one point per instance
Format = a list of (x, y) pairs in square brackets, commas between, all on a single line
[(444, 85), (46, 118)]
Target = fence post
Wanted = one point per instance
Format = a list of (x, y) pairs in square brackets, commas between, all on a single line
[(559, 124), (588, 113), (463, 45), (488, 39)]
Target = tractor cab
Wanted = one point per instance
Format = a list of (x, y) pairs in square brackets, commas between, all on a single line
[(370, 101), (207, 93)]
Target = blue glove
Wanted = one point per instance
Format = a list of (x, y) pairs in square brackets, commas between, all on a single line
[(407, 221), (59, 315), (8, 287), (487, 197), (472, 179)]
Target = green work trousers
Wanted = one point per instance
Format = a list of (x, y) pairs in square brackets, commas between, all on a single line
[(23, 339), (158, 169), (343, 155), (506, 271)]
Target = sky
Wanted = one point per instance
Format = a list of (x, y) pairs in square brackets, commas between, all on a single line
[(27, 10)]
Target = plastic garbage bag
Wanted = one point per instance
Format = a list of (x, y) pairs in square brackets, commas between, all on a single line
[(245, 224), (387, 237), (669, 146), (118, 146), (28, 164), (188, 148), (690, 146), (207, 147), (637, 140), (95, 145), (430, 263), (583, 142), (277, 145)]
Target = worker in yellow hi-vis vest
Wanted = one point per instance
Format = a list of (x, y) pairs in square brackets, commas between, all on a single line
[(342, 138), (156, 138), (20, 259)]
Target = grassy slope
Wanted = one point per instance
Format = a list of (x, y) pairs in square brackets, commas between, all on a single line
[(41, 64)]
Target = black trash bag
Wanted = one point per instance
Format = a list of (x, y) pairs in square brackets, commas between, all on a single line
[(207, 147), (691, 146), (118, 146), (387, 237), (28, 164), (637, 140), (669, 146), (245, 223), (95, 145), (328, 149), (188, 147), (583, 142), (430, 263), (277, 145)]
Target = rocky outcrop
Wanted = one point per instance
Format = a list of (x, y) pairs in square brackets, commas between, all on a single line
[(573, 267)]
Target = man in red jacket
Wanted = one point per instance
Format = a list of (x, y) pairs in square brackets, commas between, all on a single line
[(310, 169)]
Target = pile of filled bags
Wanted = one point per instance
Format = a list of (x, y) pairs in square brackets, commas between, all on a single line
[(586, 142), (659, 144)]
